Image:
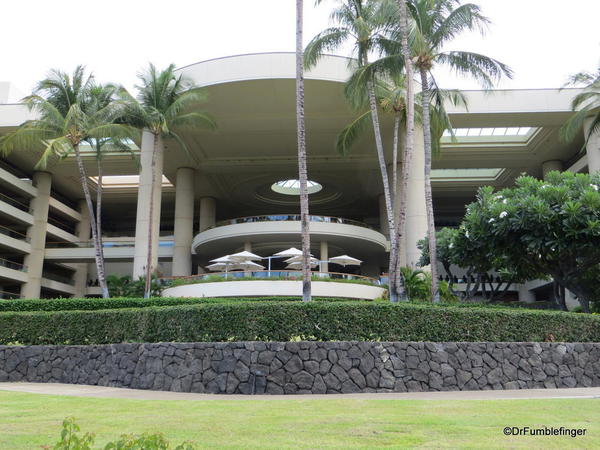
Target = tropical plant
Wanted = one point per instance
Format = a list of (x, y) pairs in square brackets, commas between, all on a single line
[(541, 229), (64, 121), (586, 104), (126, 286), (364, 24), (438, 22), (164, 104), (302, 169)]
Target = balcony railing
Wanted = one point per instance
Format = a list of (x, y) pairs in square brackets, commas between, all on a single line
[(17, 204), (60, 278), (274, 275), (9, 295), (13, 234), (12, 265), (290, 218)]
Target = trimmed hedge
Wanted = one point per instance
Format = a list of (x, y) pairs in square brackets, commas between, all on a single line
[(93, 304), (285, 321)]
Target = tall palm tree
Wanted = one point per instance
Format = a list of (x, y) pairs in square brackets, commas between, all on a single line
[(165, 103), (437, 22), (363, 23), (302, 169), (101, 96), (64, 121), (586, 104)]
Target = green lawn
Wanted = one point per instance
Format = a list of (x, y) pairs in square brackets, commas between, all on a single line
[(31, 420)]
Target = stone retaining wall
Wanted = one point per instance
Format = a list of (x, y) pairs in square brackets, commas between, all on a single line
[(308, 367)]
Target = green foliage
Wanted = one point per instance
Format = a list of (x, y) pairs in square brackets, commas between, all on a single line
[(287, 320), (71, 440), (125, 286), (418, 286), (94, 304)]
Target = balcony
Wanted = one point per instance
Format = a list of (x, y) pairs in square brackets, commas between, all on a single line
[(117, 250), (12, 271), (14, 240), (354, 237)]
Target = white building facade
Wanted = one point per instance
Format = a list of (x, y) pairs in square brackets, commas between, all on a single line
[(234, 190)]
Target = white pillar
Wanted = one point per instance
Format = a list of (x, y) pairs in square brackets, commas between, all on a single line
[(550, 166), (593, 147), (208, 213), (184, 222), (416, 211), (324, 256), (34, 261), (526, 295), (83, 231), (143, 211)]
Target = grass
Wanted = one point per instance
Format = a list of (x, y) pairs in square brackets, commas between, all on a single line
[(30, 420)]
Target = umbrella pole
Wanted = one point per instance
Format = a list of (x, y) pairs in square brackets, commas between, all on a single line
[(269, 273)]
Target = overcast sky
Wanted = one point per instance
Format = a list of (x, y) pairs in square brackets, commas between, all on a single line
[(542, 40)]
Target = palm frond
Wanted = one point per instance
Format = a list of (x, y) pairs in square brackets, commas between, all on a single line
[(352, 132)]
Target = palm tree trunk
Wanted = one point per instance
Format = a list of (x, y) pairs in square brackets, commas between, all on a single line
[(389, 207), (425, 101), (302, 169), (395, 160), (400, 230), (99, 193), (88, 200), (149, 257)]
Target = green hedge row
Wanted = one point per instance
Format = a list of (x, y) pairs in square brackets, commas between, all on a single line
[(93, 304), (284, 321)]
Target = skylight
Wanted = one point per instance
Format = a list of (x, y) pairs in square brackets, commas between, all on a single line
[(292, 187), (510, 132), (124, 181)]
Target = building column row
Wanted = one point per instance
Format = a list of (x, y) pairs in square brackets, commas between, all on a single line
[(36, 233)]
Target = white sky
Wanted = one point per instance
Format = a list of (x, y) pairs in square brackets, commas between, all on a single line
[(542, 40)]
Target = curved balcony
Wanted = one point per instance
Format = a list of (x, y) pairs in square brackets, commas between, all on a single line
[(229, 234)]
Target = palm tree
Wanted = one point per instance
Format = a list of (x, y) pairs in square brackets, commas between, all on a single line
[(586, 104), (364, 23), (163, 105), (100, 96), (64, 121), (302, 169), (437, 22)]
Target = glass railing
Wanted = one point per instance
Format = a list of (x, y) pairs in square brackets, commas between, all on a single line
[(60, 278), (12, 265), (13, 234), (105, 244), (289, 218), (275, 274), (17, 204)]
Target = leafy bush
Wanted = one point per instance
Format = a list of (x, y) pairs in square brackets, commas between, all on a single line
[(418, 286), (284, 321), (71, 440), (93, 304), (126, 286)]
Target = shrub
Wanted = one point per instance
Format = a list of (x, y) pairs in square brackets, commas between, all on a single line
[(70, 439), (285, 321), (93, 304)]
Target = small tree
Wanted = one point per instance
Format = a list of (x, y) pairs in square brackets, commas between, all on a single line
[(540, 228)]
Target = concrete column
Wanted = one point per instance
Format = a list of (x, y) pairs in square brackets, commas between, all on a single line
[(526, 295), (416, 211), (550, 166), (34, 261), (83, 231), (593, 147), (143, 204), (208, 213), (324, 256), (184, 222)]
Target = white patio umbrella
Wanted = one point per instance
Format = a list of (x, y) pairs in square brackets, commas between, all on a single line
[(290, 252), (345, 260), (244, 256), (249, 265), (223, 259), (298, 259), (222, 263)]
